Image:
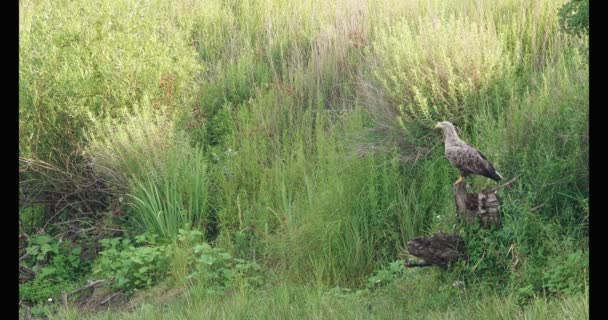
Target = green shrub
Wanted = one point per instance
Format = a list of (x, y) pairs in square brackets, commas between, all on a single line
[(567, 274), (57, 267), (218, 270), (214, 268), (173, 203), (529, 254), (146, 260), (384, 276), (488, 259), (142, 143), (132, 264), (574, 17)]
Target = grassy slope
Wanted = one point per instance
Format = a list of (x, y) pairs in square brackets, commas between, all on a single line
[(310, 302), (281, 112)]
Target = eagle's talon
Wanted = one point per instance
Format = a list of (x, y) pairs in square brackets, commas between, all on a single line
[(460, 179)]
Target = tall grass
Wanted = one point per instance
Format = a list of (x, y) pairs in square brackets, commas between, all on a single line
[(176, 201), (310, 302), (319, 203), (428, 74), (275, 116), (165, 177), (80, 62)]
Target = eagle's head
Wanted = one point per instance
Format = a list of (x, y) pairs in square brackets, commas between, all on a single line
[(444, 124), (449, 131)]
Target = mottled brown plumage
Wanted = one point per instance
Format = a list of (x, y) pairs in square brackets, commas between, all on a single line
[(440, 249), (467, 159)]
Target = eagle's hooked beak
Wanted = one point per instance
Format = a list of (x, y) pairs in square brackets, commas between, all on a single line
[(438, 126)]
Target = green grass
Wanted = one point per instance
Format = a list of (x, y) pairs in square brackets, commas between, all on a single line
[(78, 63), (151, 161), (312, 302), (298, 135)]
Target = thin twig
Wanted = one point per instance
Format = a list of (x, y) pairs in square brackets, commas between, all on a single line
[(110, 297), (65, 295), (538, 207), (28, 269), (504, 185), (90, 284)]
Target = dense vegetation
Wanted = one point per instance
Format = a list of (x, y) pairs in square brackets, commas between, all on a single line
[(271, 159)]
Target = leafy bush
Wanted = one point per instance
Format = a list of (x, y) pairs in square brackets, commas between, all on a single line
[(540, 145), (567, 274), (139, 145), (530, 254), (146, 260), (56, 266), (215, 268), (574, 17), (132, 264), (384, 276)]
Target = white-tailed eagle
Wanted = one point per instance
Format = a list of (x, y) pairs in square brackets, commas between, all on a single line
[(467, 159)]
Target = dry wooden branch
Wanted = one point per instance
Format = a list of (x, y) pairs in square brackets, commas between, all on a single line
[(27, 274), (503, 185), (28, 312), (110, 297), (90, 284)]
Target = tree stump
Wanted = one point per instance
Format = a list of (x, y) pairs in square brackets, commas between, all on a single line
[(442, 249), (482, 206)]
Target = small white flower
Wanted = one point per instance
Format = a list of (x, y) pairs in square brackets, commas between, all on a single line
[(50, 300)]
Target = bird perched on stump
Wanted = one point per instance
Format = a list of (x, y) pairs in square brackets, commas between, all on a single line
[(467, 159)]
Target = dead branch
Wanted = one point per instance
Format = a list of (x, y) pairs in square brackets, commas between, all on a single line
[(28, 273), (503, 185), (90, 284), (110, 297)]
